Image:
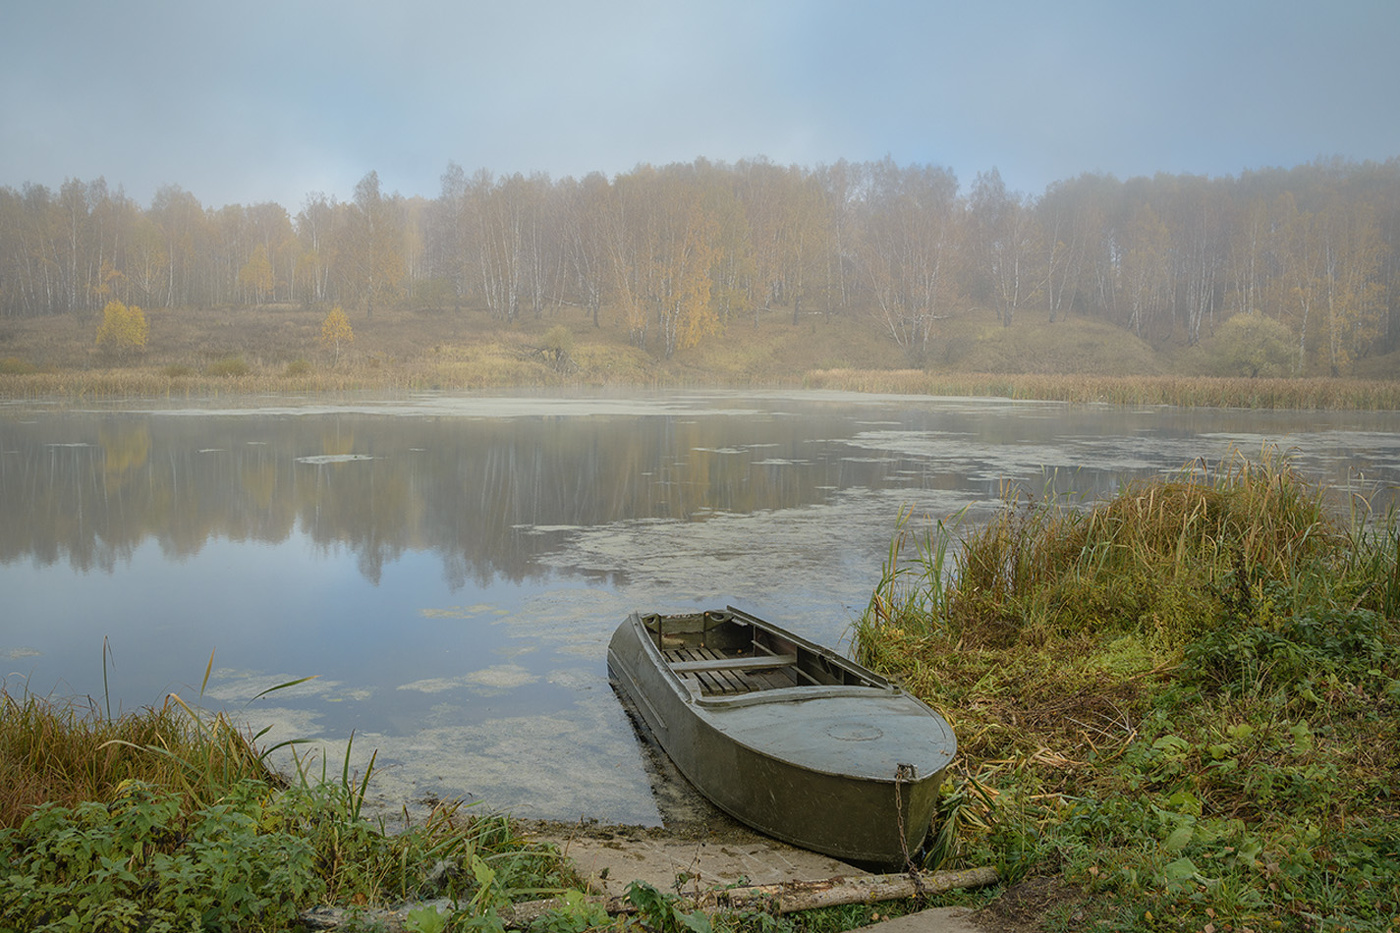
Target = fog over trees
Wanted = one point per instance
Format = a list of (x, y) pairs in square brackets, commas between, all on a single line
[(675, 253)]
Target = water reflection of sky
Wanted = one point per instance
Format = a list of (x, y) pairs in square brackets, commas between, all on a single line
[(451, 567)]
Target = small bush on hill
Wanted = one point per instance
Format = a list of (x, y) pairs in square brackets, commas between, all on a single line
[(123, 328), (1254, 346)]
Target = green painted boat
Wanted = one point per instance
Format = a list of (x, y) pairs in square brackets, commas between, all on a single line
[(785, 735)]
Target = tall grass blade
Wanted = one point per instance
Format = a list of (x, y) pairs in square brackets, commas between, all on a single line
[(290, 683), (208, 669), (364, 786), (106, 692)]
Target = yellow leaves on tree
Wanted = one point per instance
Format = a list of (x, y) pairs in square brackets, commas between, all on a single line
[(123, 328), (663, 257), (108, 276), (335, 331), (683, 299), (256, 275)]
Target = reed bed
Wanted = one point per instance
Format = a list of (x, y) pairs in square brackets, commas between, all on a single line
[(1161, 559), (477, 366), (1182, 391), (508, 369)]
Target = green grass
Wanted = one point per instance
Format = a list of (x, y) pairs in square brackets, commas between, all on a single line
[(1184, 699)]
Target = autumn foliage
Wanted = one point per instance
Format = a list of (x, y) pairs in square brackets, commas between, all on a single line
[(336, 330), (678, 254), (123, 328)]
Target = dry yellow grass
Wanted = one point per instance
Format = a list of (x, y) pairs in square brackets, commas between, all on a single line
[(1184, 391), (69, 752)]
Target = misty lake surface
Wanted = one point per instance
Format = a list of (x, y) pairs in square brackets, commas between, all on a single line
[(450, 567)]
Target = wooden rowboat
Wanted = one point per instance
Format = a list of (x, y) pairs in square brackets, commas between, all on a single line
[(785, 735)]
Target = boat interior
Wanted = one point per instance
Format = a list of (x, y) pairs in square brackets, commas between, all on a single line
[(719, 654)]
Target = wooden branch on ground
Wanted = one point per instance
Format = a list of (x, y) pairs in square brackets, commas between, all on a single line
[(790, 896)]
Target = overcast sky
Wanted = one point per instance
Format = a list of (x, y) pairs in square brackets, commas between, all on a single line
[(270, 100)]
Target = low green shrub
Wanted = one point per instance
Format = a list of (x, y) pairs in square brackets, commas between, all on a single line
[(140, 863), (228, 366), (1318, 642)]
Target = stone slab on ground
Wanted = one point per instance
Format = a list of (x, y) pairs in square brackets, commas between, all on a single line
[(933, 920), (692, 866)]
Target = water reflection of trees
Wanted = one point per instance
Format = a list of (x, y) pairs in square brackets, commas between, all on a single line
[(91, 489)]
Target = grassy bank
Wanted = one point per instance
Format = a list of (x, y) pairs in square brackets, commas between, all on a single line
[(169, 819), (208, 353), (1183, 702)]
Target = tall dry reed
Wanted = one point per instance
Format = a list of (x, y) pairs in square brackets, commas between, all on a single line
[(1163, 559), (71, 752), (1181, 391)]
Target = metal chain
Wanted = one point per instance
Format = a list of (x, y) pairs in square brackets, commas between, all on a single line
[(902, 771)]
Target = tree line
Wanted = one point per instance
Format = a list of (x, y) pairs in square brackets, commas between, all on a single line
[(674, 253)]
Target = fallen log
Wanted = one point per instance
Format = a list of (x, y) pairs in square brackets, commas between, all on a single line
[(790, 896), (783, 897)]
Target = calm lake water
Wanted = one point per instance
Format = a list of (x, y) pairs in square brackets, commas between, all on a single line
[(451, 567)]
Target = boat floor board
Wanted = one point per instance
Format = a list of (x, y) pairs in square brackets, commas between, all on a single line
[(713, 672)]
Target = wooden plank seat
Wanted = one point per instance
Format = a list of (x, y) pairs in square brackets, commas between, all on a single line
[(735, 664)]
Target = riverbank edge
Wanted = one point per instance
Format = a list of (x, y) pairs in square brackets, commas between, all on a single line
[(1299, 394)]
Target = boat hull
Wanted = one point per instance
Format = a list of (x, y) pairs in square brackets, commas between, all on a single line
[(850, 770)]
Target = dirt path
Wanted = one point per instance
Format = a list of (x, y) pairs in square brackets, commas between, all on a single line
[(691, 861), (697, 855)]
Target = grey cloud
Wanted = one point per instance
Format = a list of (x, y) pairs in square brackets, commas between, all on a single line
[(270, 101)]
